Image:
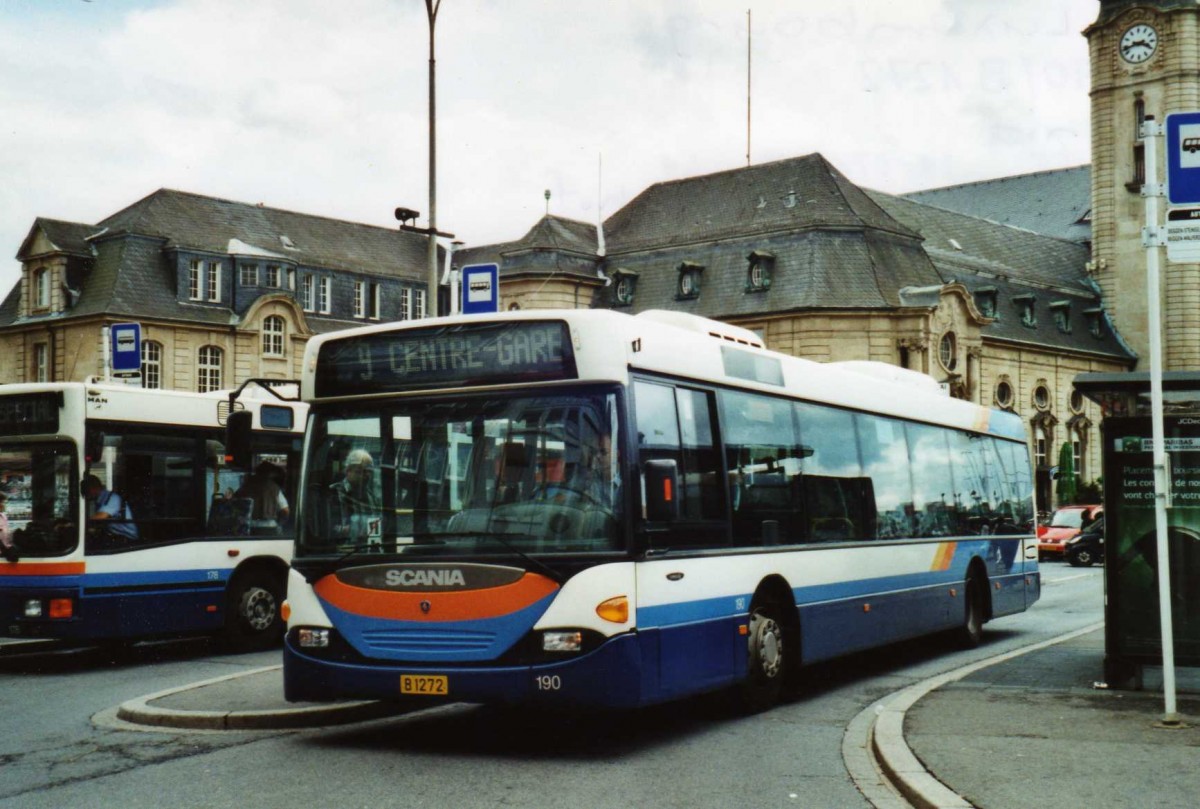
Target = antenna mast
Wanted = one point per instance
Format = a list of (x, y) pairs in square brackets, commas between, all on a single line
[(747, 87)]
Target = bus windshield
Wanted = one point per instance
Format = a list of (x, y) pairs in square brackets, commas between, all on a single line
[(533, 474), (37, 481)]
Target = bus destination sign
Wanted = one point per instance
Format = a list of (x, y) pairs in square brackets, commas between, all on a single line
[(29, 413), (450, 356)]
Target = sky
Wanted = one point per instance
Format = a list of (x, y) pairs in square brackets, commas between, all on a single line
[(321, 107)]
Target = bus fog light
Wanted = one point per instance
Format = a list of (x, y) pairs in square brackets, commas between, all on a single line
[(313, 638), (61, 608), (562, 641), (33, 608)]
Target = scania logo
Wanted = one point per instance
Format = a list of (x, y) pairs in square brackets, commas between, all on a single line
[(425, 578), (426, 607)]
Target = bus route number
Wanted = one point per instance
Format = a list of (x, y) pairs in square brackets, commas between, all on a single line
[(548, 682)]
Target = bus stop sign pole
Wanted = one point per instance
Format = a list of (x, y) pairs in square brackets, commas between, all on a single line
[(1152, 133)]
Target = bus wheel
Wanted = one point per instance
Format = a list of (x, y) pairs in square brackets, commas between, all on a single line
[(971, 632), (768, 659), (252, 619)]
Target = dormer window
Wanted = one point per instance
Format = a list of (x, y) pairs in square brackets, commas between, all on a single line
[(1062, 315), (625, 286), (689, 280), (1025, 305), (759, 271), (273, 276), (1095, 320), (248, 275), (985, 301), (41, 288)]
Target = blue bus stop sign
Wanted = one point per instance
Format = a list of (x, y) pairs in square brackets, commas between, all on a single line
[(480, 289), (1183, 158), (126, 347)]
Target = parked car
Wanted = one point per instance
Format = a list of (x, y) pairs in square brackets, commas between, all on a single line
[(1086, 548), (1067, 523)]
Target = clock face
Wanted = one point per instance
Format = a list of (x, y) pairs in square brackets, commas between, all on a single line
[(1139, 43)]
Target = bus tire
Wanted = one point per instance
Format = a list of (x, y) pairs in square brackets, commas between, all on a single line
[(770, 653), (971, 633), (252, 618)]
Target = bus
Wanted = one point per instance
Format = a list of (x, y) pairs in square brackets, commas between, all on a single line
[(183, 550), (591, 508)]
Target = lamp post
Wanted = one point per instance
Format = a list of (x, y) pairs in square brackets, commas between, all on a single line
[(431, 306)]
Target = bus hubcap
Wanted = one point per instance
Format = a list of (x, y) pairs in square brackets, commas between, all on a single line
[(258, 608), (768, 645)]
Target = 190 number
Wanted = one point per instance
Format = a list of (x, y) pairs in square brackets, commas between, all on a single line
[(548, 682)]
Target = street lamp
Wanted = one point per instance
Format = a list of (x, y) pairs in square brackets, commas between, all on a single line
[(431, 11)]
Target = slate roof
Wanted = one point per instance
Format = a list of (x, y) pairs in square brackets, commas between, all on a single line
[(1053, 203), (195, 222), (568, 238), (68, 237), (785, 195)]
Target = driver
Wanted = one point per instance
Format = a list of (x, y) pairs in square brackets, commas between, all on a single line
[(355, 503)]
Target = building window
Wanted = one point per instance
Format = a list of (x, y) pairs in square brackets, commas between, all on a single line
[(1004, 394), (1039, 446), (208, 369), (41, 288), (1076, 402), (360, 299), (985, 301), (405, 303), (624, 291), (373, 301), (306, 292), (1077, 452), (194, 280), (272, 336), (418, 304), (323, 296), (759, 271), (151, 364), (248, 275), (290, 278), (41, 362), (1025, 305), (1062, 315), (948, 351), (1041, 397), (1095, 320), (273, 276), (214, 282), (689, 281)]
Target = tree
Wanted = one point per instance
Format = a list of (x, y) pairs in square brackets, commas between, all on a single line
[(1065, 480)]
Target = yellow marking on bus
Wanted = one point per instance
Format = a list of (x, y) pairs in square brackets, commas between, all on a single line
[(944, 555)]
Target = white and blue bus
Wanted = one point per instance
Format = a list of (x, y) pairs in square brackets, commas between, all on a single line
[(183, 549), (593, 508)]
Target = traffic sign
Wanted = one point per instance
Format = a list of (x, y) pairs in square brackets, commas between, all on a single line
[(480, 289), (1183, 235), (1183, 158), (126, 347)]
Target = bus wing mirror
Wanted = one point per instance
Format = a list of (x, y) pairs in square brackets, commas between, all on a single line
[(237, 437), (662, 490)]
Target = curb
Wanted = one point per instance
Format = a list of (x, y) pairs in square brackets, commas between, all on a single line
[(140, 712), (900, 766)]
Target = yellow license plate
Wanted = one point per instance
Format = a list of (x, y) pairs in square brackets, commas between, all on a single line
[(429, 685)]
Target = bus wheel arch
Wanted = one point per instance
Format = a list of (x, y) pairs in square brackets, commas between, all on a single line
[(773, 655), (252, 604)]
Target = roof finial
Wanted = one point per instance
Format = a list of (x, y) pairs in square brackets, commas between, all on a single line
[(547, 202)]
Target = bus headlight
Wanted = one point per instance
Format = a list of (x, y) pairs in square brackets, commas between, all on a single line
[(562, 641), (313, 638), (33, 608)]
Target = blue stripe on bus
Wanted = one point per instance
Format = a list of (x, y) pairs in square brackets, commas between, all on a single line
[(198, 576)]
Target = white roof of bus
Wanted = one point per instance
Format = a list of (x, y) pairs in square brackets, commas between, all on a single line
[(608, 344)]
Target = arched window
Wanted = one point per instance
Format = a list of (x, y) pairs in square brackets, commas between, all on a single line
[(41, 289), (151, 364), (948, 351), (272, 336), (208, 368)]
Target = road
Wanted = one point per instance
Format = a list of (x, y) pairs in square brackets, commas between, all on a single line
[(694, 753)]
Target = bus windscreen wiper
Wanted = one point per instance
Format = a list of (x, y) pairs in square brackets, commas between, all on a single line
[(532, 562)]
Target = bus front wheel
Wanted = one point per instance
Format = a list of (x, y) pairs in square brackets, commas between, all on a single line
[(769, 656), (252, 619)]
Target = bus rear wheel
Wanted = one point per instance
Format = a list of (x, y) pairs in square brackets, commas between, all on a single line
[(252, 619), (769, 656)]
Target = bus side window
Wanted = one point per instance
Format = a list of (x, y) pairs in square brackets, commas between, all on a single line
[(763, 455), (933, 484), (839, 501)]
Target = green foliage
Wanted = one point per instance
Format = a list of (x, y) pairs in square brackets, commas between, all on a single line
[(1066, 482), (1090, 493)]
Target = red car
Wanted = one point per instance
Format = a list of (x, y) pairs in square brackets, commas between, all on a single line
[(1066, 524)]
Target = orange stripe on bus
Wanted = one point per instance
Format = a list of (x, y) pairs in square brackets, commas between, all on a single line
[(444, 606), (41, 568), (944, 555)]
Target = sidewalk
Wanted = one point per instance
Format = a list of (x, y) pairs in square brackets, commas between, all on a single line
[(1034, 731)]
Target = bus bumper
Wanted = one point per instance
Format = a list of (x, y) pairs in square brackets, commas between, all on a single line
[(609, 676)]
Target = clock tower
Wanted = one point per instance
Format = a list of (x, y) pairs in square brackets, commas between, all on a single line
[(1145, 61)]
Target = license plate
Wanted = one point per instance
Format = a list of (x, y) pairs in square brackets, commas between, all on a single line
[(430, 685)]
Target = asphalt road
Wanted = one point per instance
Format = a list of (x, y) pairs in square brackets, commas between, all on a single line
[(696, 753)]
